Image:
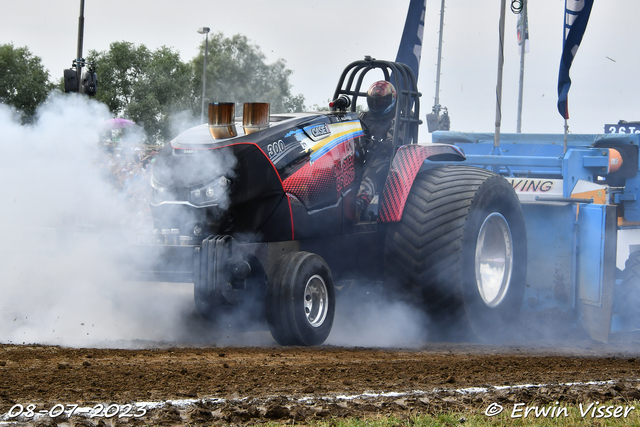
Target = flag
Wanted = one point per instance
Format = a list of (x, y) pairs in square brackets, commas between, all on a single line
[(410, 48), (576, 16), (526, 32)]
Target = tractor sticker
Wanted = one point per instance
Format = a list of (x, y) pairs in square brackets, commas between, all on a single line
[(318, 132), (319, 140), (344, 172), (279, 150), (275, 148), (340, 133)]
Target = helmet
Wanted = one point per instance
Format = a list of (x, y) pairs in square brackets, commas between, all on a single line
[(381, 98)]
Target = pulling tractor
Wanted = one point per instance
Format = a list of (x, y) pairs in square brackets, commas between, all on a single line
[(260, 215)]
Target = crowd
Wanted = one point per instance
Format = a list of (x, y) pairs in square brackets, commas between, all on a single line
[(127, 169)]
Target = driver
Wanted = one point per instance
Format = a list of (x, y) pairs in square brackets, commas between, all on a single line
[(378, 137)]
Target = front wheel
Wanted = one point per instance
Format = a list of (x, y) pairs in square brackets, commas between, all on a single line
[(461, 243), (300, 300)]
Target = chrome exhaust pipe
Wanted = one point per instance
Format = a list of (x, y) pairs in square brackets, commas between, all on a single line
[(255, 116), (222, 116)]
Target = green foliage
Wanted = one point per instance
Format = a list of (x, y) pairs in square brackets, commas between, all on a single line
[(24, 82), (324, 107), (144, 86), (360, 108), (237, 72), (165, 90), (476, 418), (149, 86)]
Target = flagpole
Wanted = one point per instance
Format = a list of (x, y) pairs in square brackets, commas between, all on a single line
[(566, 130), (523, 40), (496, 137), (79, 61), (436, 103)]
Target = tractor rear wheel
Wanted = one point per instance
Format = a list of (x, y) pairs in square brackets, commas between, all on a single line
[(461, 243), (300, 300)]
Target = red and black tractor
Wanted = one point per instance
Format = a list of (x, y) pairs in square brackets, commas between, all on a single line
[(260, 216)]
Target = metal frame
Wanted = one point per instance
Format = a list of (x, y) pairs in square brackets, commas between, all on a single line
[(407, 113), (575, 238)]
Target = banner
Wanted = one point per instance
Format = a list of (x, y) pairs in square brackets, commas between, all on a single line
[(576, 16), (410, 48), (526, 32)]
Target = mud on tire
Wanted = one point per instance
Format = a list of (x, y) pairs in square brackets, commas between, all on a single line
[(462, 229)]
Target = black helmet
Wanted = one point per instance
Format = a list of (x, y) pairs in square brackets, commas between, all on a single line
[(381, 98)]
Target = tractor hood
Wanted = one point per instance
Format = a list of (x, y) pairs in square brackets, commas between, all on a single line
[(235, 178)]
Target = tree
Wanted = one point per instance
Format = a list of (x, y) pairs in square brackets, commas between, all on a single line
[(149, 87), (24, 82), (237, 72), (164, 90), (119, 69), (144, 86)]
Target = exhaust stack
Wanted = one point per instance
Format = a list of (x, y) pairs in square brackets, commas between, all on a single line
[(222, 116), (255, 116)]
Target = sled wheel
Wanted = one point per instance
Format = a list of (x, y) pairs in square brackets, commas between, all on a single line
[(300, 300), (626, 297), (461, 243)]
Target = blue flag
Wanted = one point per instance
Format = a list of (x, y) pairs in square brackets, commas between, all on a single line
[(576, 16), (410, 48)]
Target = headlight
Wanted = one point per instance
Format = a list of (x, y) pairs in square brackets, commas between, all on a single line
[(208, 195)]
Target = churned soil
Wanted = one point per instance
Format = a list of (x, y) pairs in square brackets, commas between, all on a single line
[(205, 385)]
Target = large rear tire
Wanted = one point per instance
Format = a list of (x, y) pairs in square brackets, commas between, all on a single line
[(300, 300), (461, 243)]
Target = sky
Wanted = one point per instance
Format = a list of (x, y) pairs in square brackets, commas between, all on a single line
[(317, 39)]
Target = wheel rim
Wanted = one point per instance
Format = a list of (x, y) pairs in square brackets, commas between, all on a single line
[(494, 259), (316, 301)]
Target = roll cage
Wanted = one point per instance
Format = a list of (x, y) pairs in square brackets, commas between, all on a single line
[(407, 111)]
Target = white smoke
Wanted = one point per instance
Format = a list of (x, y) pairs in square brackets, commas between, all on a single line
[(368, 315), (60, 284), (179, 121)]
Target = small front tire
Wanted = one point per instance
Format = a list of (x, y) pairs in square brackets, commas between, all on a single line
[(300, 300)]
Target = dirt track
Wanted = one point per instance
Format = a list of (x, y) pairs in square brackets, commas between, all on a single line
[(241, 385)]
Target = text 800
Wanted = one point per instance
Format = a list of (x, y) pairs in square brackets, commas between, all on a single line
[(108, 411)]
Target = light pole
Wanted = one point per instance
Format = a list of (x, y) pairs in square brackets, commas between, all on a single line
[(79, 63), (205, 31)]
